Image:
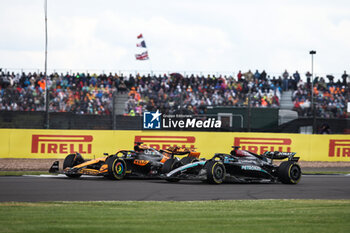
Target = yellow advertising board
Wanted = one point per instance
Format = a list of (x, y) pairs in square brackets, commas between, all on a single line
[(26, 143)]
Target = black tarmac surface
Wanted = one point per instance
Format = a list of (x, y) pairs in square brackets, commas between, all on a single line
[(60, 188)]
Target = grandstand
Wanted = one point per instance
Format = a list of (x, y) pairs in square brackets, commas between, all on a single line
[(92, 94)]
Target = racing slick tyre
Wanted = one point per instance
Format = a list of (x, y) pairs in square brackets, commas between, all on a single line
[(168, 166), (216, 172), (188, 159), (72, 160), (289, 172), (116, 168), (109, 160)]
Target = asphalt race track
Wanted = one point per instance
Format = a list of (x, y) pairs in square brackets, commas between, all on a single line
[(60, 188)]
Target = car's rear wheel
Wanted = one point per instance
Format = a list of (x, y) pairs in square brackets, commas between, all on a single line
[(188, 159), (216, 172), (289, 172), (168, 166), (73, 160), (109, 159), (116, 168)]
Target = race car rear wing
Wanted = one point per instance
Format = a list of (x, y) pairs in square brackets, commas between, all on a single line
[(177, 150), (281, 155), (181, 151)]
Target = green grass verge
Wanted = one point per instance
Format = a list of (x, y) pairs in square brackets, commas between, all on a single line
[(21, 173), (194, 216)]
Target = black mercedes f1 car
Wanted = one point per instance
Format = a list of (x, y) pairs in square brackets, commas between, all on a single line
[(239, 166), (143, 161)]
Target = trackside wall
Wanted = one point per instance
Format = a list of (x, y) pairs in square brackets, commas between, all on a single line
[(28, 143)]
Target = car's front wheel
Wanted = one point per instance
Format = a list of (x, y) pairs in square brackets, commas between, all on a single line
[(216, 172)]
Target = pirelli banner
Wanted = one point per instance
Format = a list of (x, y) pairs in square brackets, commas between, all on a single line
[(22, 143)]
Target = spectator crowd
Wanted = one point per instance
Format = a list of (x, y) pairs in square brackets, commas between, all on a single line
[(193, 94), (77, 93), (330, 98), (171, 93)]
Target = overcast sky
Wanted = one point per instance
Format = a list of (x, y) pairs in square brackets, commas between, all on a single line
[(184, 35)]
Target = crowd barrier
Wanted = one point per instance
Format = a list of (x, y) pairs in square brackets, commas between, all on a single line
[(27, 143)]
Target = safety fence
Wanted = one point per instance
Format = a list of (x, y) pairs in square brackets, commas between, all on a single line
[(238, 121)]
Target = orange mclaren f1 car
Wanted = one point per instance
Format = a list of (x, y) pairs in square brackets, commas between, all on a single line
[(143, 161)]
